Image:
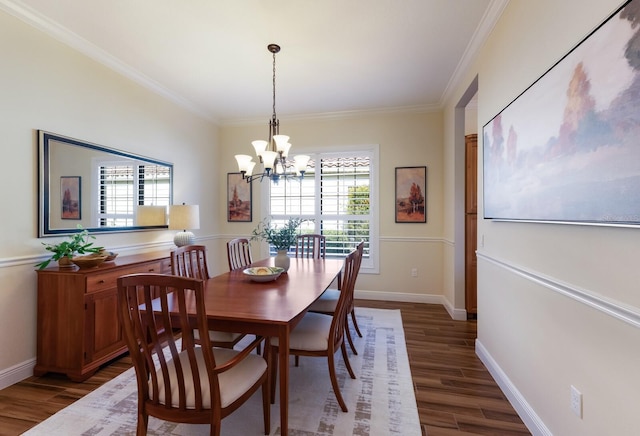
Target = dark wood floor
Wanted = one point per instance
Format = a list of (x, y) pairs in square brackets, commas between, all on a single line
[(455, 393)]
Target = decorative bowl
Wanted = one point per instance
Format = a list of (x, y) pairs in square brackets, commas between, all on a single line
[(89, 261), (110, 256), (263, 273)]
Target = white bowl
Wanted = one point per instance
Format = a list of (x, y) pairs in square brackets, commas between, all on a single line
[(263, 273)]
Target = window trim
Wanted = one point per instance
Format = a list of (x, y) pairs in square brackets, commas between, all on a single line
[(372, 264)]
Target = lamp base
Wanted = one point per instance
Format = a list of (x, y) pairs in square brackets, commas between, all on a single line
[(184, 238)]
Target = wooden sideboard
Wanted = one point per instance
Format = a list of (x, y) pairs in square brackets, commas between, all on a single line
[(78, 326)]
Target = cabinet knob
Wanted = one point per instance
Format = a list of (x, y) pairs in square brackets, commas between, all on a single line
[(101, 281)]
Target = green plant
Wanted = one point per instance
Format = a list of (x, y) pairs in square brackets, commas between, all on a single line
[(280, 237), (77, 243)]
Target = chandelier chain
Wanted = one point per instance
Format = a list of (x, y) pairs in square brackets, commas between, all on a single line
[(274, 86)]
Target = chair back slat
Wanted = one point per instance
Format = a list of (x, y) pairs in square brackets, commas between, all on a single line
[(311, 246), (190, 261), (151, 337), (350, 271), (238, 253)]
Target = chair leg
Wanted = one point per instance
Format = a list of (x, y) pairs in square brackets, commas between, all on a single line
[(143, 421), (346, 360), (273, 364), (355, 322), (297, 360), (266, 392), (347, 331), (334, 383)]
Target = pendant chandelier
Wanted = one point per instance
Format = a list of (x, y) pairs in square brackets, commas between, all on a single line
[(273, 153)]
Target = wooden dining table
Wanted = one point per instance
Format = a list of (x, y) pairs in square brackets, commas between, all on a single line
[(235, 303)]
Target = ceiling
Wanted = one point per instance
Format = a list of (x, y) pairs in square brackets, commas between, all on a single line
[(338, 56)]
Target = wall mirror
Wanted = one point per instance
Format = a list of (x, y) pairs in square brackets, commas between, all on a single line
[(99, 188)]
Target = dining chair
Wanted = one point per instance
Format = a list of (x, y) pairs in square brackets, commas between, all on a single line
[(238, 253), (190, 384), (191, 261), (321, 335), (311, 246), (329, 299)]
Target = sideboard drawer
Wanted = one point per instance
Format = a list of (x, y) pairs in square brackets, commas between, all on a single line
[(108, 279)]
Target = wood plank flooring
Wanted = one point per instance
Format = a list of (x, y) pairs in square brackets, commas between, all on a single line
[(456, 395)]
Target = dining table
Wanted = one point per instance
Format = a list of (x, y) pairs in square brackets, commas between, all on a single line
[(236, 303)]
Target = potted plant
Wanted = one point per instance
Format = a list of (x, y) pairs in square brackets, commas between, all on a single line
[(77, 243), (282, 238)]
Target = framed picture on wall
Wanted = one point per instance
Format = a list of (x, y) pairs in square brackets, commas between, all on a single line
[(70, 198), (238, 198), (566, 149), (411, 194)]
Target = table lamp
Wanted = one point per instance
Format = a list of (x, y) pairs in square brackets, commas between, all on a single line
[(151, 216), (183, 217)]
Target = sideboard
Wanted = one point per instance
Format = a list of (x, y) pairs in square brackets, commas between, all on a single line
[(78, 327)]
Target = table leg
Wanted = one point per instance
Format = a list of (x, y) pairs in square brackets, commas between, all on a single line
[(283, 357)]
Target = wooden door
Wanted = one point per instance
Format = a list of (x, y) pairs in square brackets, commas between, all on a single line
[(471, 225)]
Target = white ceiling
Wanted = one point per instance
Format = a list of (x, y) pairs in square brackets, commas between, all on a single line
[(337, 55)]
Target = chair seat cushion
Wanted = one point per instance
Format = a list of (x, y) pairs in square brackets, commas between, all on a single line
[(327, 302), (311, 333), (217, 336), (233, 383)]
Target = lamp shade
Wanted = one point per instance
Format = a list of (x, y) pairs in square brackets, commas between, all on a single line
[(184, 216), (151, 216)]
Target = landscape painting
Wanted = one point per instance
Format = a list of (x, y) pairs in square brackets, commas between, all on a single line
[(411, 189), (238, 198), (568, 148)]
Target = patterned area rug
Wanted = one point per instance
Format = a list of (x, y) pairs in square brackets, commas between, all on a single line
[(381, 400)]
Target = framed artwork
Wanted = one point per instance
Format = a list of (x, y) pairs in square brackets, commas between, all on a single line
[(238, 198), (411, 191), (566, 149), (70, 206)]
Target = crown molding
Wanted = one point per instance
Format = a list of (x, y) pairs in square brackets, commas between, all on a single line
[(487, 23), (73, 40)]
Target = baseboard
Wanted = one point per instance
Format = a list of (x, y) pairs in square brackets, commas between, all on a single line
[(398, 296), (17, 373), (517, 400), (456, 314)]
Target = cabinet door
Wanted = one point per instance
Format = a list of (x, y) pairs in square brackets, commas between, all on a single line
[(104, 333)]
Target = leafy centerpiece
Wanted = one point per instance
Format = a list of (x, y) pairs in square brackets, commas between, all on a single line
[(282, 238), (78, 243)]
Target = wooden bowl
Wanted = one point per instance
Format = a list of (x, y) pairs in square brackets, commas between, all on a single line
[(88, 261)]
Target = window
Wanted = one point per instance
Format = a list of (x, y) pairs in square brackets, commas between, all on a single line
[(124, 185), (338, 197)]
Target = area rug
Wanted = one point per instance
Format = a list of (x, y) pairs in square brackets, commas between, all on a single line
[(381, 401)]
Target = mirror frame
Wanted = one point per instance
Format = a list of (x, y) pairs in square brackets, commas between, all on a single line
[(45, 184)]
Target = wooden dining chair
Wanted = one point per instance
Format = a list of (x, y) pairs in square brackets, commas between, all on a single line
[(321, 335), (238, 253), (191, 384), (329, 299), (191, 261), (311, 246)]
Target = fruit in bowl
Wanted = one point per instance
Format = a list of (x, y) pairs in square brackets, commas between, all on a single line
[(263, 273)]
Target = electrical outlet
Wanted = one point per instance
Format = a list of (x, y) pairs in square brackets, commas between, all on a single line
[(414, 272), (576, 401)]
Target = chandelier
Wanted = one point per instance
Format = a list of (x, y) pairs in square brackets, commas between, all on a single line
[(272, 154)]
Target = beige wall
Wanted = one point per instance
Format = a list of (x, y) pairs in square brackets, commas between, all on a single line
[(404, 139), (551, 298), (46, 85)]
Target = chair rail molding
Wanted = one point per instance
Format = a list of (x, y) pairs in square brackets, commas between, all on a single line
[(616, 309)]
